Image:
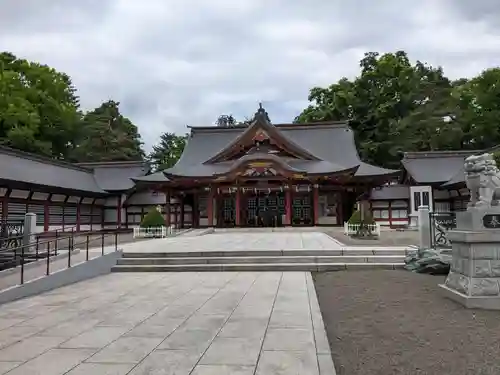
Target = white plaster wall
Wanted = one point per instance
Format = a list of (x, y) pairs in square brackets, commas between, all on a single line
[(110, 215), (111, 201), (147, 197)]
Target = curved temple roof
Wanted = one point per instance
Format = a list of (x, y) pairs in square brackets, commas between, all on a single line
[(331, 143)]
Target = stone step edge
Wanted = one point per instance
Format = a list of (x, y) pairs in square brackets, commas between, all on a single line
[(269, 257), (315, 267), (244, 253)]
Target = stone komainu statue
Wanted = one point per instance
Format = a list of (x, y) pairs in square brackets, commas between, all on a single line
[(483, 180)]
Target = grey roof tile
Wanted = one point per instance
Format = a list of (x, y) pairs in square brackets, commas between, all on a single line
[(457, 179), (31, 169), (153, 177), (331, 142), (117, 176), (435, 167)]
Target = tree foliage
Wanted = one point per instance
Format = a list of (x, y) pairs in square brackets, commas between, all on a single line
[(106, 135), (167, 151), (40, 113), (395, 105), (38, 107)]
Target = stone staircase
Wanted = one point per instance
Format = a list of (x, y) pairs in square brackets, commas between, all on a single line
[(262, 260)]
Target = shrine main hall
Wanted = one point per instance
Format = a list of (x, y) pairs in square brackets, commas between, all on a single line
[(264, 174)]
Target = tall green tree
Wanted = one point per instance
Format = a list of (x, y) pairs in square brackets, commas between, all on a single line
[(38, 107), (392, 106), (167, 151), (106, 135), (476, 109)]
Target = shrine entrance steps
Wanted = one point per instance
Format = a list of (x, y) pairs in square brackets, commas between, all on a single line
[(262, 260)]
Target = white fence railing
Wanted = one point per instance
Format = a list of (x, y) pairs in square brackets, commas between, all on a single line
[(351, 229), (153, 232)]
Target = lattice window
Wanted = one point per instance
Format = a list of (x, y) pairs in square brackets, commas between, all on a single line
[(70, 215), (228, 208), (16, 211), (39, 210), (302, 211), (202, 206), (251, 209)]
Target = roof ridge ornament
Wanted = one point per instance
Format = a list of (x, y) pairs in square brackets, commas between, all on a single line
[(262, 113)]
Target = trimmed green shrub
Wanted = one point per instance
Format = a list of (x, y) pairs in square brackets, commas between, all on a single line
[(153, 219), (364, 230), (356, 218)]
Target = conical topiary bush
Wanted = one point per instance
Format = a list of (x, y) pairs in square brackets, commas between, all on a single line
[(153, 219)]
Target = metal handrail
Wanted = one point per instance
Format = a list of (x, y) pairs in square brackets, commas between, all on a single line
[(41, 234), (71, 247)]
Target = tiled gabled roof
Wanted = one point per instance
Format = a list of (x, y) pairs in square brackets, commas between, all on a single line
[(434, 167), (332, 142), (86, 177), (31, 169), (117, 176)]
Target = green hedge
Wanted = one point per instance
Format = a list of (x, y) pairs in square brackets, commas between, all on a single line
[(153, 218)]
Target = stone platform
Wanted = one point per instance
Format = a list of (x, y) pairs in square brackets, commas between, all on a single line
[(255, 251), (240, 241)]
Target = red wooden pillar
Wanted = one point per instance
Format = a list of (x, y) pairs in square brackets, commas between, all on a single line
[(103, 212), (167, 208), (78, 217), (91, 215), (119, 212), (238, 206), (316, 204), (63, 215), (390, 212), (288, 206), (5, 208), (195, 213), (182, 211), (210, 208)]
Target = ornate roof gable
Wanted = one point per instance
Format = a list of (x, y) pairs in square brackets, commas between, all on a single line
[(259, 131)]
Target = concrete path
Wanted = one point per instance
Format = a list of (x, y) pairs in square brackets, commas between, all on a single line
[(190, 323)]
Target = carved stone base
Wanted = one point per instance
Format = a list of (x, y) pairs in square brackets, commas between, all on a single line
[(474, 278), (483, 303)]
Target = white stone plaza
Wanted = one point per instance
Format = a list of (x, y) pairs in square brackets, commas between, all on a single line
[(240, 241), (169, 323), (192, 323)]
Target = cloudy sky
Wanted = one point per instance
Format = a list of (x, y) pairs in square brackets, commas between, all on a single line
[(173, 63)]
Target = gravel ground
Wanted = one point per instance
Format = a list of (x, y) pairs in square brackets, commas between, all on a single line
[(396, 322)]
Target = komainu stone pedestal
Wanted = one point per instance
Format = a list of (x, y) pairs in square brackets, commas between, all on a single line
[(474, 278)]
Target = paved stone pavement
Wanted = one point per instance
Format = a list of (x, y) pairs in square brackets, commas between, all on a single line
[(188, 323), (236, 241)]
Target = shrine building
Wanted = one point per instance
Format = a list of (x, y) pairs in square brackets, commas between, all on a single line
[(264, 174)]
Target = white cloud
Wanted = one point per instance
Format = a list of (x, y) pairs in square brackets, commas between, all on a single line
[(172, 63)]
